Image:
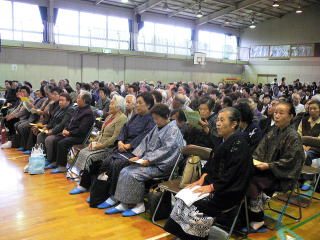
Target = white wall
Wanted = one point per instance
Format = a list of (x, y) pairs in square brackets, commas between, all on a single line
[(290, 29), (37, 65)]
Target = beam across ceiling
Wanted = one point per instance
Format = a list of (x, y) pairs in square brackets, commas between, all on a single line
[(146, 6), (98, 2), (227, 10)]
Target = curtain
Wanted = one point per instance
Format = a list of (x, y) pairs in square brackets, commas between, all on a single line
[(44, 18), (45, 21)]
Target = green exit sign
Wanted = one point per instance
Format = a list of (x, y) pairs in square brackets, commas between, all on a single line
[(106, 50)]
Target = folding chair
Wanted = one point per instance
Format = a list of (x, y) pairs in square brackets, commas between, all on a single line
[(171, 185), (287, 201), (316, 178), (75, 149)]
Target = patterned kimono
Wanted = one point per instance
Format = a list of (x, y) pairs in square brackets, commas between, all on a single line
[(283, 151), (160, 147)]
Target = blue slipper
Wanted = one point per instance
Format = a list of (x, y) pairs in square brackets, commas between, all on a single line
[(112, 211), (57, 170), (129, 213), (251, 230), (305, 187), (28, 152), (46, 163), (50, 166), (77, 191), (104, 205), (88, 199), (20, 149)]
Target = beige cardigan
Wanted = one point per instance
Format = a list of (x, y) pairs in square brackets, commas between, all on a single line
[(110, 133)]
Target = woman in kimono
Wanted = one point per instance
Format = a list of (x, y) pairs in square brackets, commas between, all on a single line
[(102, 146), (155, 157), (280, 157), (225, 178), (130, 137)]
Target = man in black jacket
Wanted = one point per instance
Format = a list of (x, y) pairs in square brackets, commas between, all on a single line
[(75, 131), (57, 121)]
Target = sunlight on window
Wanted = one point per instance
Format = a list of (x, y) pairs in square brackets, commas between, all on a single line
[(118, 33), (67, 27), (162, 38), (6, 20), (93, 29), (25, 25), (217, 45)]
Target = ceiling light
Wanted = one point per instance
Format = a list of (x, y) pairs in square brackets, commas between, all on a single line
[(124, 1), (199, 14), (275, 4), (253, 25), (299, 10), (226, 22)]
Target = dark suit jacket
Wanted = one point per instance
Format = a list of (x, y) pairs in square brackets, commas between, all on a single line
[(59, 119), (81, 122)]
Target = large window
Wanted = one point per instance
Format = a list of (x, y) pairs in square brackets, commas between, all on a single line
[(217, 45), (93, 30), (20, 21), (161, 38)]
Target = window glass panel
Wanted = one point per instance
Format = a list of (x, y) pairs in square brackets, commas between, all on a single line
[(5, 15), (164, 38), (93, 29), (67, 27), (217, 45), (27, 17)]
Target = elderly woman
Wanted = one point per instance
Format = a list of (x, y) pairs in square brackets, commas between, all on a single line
[(248, 127), (155, 157), (225, 178), (310, 127), (130, 137), (206, 136), (102, 146)]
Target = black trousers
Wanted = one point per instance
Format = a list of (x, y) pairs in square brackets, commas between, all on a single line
[(63, 147), (10, 125)]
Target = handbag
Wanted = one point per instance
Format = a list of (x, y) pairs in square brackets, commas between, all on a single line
[(152, 200), (99, 190), (36, 160), (191, 172)]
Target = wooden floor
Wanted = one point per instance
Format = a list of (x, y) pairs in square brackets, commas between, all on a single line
[(39, 207)]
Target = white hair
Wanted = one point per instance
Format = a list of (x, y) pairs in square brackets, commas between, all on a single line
[(120, 102), (134, 98)]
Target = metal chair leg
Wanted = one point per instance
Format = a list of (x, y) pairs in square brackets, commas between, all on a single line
[(156, 210), (235, 221)]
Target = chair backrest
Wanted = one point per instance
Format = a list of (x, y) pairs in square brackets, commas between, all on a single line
[(88, 135), (202, 152)]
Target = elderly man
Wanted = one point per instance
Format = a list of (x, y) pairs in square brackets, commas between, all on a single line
[(75, 131), (279, 159), (296, 99), (179, 102)]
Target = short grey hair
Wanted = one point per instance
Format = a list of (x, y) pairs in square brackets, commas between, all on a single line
[(86, 97), (180, 98), (134, 98), (120, 103)]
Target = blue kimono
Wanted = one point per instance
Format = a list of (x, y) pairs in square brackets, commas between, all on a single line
[(161, 147)]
